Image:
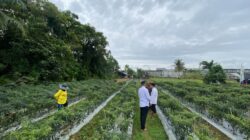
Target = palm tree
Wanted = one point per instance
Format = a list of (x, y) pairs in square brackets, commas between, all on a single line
[(126, 68), (179, 66), (207, 65)]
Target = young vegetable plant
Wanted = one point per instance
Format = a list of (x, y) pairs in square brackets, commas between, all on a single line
[(114, 120), (222, 103), (63, 119)]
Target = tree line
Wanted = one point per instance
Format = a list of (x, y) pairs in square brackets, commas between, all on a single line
[(39, 41), (214, 72)]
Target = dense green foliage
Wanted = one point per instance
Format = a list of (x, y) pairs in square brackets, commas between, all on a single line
[(18, 103), (39, 41), (215, 75), (64, 119), (207, 65), (184, 122), (215, 72), (113, 122), (181, 119), (229, 101)]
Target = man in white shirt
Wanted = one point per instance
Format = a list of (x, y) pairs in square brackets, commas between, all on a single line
[(153, 98), (144, 99)]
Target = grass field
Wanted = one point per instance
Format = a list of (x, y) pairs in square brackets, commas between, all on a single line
[(154, 127)]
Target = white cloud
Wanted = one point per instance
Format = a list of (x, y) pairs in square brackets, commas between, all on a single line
[(155, 32)]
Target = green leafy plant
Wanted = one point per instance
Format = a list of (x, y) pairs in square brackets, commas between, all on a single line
[(228, 102)]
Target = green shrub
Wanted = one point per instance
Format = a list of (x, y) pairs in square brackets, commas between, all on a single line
[(215, 75)]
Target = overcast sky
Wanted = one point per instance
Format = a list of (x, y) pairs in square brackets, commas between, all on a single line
[(153, 33)]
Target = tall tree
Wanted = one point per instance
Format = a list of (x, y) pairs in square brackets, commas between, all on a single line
[(179, 66), (129, 70), (207, 65), (126, 68), (139, 73), (38, 40)]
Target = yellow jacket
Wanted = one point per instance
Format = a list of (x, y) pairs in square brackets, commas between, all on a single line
[(61, 96)]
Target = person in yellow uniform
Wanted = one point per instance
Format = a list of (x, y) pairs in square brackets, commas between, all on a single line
[(61, 96)]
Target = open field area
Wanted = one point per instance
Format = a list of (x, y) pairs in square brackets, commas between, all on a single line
[(104, 109), (227, 104), (22, 104), (124, 70), (34, 100)]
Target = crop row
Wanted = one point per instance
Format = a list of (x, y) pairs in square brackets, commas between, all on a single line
[(64, 119), (114, 121), (222, 105), (29, 101), (185, 124)]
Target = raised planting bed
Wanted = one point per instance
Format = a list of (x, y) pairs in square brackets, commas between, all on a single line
[(228, 105), (65, 119), (185, 124), (115, 121), (33, 101)]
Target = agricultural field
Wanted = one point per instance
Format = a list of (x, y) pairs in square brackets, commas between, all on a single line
[(114, 121), (227, 105), (120, 121), (117, 119), (186, 124), (48, 46), (21, 104), (106, 109)]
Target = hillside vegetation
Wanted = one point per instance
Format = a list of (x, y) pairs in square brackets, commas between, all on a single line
[(42, 43)]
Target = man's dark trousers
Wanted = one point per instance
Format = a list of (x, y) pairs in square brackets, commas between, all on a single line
[(144, 113)]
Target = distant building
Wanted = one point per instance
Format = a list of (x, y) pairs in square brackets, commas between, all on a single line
[(236, 70), (162, 72), (160, 69), (234, 74)]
